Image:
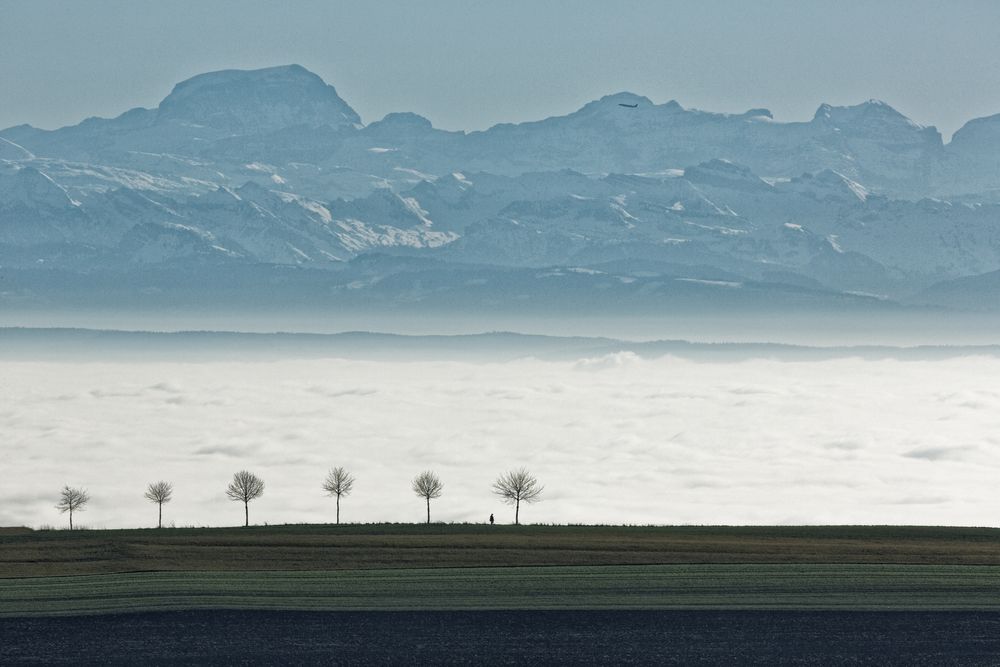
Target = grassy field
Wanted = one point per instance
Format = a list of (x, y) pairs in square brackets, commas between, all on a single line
[(800, 587), (25, 553), (401, 567)]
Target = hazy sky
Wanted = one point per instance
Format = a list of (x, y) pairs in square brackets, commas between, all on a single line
[(468, 65)]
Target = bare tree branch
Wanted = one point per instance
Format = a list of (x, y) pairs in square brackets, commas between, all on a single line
[(159, 493), (517, 486), (245, 487), (338, 483), (427, 485), (72, 500)]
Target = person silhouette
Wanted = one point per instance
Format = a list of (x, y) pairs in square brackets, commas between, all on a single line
[(491, 519)]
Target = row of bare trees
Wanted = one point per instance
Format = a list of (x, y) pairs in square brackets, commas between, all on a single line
[(514, 487)]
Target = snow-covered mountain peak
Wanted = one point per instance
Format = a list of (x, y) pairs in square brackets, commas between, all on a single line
[(870, 110), (978, 134), (221, 196), (31, 188), (758, 113), (254, 191), (723, 173), (827, 185), (835, 179), (12, 151), (382, 205), (617, 102), (254, 101), (398, 124)]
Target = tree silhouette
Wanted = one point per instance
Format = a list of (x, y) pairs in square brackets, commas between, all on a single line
[(517, 486), (159, 493), (427, 485), (72, 500), (338, 483), (245, 487)]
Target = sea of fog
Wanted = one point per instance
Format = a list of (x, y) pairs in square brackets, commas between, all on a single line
[(614, 438)]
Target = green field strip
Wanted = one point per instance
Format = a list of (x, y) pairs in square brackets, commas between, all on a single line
[(323, 547), (842, 587)]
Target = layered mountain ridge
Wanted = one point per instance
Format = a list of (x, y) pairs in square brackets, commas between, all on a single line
[(270, 168)]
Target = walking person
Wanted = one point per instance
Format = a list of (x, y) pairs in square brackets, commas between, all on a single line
[(491, 519)]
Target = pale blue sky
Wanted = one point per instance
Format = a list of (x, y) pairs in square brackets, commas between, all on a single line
[(468, 64)]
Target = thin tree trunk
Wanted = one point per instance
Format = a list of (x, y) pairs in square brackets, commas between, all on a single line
[(159, 520), (246, 510), (517, 511), (428, 510), (338, 509), (71, 519)]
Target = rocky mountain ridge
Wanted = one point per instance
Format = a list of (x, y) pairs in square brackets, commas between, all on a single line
[(272, 168)]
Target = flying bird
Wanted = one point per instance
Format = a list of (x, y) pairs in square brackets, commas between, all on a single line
[(630, 106)]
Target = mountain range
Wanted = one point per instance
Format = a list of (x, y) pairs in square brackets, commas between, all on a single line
[(254, 185)]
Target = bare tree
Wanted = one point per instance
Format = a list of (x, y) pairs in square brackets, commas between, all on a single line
[(159, 493), (72, 500), (245, 487), (517, 486), (427, 485), (338, 483)]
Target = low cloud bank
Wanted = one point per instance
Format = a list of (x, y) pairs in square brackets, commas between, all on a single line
[(616, 439)]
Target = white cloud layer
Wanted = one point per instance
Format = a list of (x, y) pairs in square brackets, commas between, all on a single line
[(615, 440)]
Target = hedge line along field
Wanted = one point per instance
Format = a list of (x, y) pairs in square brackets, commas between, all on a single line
[(318, 547), (614, 587)]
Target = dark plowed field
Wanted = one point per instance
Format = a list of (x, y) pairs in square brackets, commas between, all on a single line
[(507, 637)]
